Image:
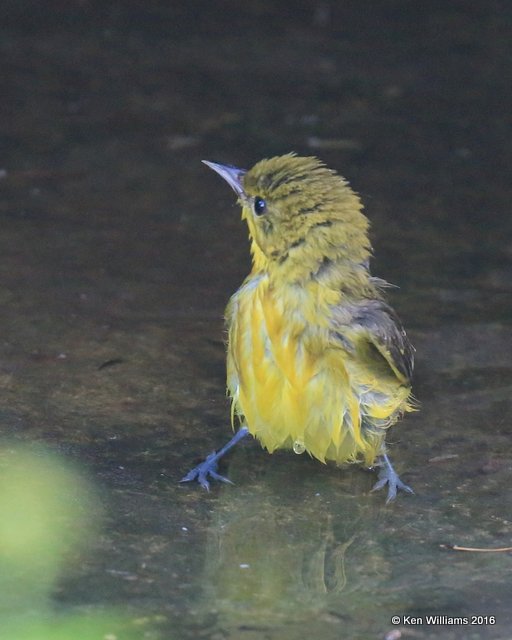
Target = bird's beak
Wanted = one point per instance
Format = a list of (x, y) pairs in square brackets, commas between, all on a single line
[(232, 175)]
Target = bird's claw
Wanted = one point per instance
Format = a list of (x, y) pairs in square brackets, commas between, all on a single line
[(387, 475), (207, 468)]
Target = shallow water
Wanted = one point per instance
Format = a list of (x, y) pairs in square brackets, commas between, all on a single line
[(119, 251)]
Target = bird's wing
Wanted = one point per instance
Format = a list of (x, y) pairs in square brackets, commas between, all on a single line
[(372, 328)]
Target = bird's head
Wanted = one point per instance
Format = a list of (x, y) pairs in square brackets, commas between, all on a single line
[(301, 215)]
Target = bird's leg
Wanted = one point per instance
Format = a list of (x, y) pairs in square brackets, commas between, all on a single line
[(209, 466), (387, 475)]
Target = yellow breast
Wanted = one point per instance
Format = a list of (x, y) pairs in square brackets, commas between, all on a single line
[(288, 384)]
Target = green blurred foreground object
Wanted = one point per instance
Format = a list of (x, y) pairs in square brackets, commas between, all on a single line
[(317, 361), (48, 511)]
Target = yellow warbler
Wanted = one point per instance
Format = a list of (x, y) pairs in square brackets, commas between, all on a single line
[(317, 361)]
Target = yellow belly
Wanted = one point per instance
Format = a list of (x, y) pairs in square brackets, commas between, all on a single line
[(292, 388)]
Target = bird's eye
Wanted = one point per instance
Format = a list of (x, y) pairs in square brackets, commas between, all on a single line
[(260, 206)]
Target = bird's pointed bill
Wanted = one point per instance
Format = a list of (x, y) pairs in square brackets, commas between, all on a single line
[(232, 175)]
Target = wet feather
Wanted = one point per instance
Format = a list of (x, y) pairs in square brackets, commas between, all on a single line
[(316, 359)]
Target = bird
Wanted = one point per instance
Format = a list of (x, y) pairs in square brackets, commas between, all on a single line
[(317, 360)]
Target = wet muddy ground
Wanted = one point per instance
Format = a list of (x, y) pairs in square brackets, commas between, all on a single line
[(119, 251)]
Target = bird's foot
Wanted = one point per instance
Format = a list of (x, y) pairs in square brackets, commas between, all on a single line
[(387, 475), (207, 468)]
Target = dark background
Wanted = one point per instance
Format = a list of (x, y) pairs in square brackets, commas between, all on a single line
[(117, 246)]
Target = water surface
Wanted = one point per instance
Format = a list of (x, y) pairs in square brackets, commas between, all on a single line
[(120, 250)]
